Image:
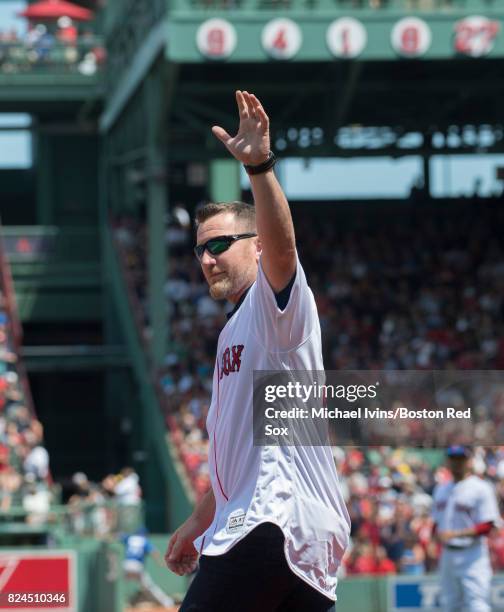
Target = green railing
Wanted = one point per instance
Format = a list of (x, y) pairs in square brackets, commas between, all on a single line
[(85, 519), (85, 57)]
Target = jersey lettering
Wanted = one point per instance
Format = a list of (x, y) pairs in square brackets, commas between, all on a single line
[(231, 360)]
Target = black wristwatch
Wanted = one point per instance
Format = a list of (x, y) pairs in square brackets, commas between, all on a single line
[(264, 167)]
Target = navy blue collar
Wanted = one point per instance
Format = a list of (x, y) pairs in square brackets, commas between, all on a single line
[(238, 303)]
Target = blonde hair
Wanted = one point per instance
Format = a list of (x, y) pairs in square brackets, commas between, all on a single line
[(242, 212)]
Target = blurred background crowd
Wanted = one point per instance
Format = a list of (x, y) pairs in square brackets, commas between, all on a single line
[(26, 487), (52, 39), (409, 291), (24, 461)]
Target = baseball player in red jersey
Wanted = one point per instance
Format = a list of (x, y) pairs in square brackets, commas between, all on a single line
[(464, 511), (271, 532)]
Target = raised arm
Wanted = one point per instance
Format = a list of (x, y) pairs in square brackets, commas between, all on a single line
[(251, 146)]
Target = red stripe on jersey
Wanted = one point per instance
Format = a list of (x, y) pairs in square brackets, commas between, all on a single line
[(215, 427), (202, 544)]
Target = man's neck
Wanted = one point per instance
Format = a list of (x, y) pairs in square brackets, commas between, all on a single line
[(234, 299), (237, 304)]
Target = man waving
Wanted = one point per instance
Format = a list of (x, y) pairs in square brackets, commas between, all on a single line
[(271, 532)]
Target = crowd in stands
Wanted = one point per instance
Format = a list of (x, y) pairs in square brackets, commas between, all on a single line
[(113, 505), (389, 499), (24, 461), (413, 5), (426, 5), (27, 491), (48, 47), (98, 510), (417, 290)]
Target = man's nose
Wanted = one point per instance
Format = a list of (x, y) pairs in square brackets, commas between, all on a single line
[(207, 259)]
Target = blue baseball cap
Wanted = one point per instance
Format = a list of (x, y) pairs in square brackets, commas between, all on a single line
[(458, 451)]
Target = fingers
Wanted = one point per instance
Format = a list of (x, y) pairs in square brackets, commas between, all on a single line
[(254, 123), (250, 103), (177, 560), (243, 108), (254, 103), (173, 550), (247, 104), (178, 568), (221, 134), (184, 565), (254, 108), (259, 111)]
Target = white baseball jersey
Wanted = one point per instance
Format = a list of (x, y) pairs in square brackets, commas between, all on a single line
[(295, 487), (464, 504)]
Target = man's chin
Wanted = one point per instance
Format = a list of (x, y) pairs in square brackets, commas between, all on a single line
[(221, 290)]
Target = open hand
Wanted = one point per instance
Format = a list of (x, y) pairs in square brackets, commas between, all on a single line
[(251, 145)]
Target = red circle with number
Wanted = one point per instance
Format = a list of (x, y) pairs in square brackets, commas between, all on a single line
[(411, 37), (282, 38), (346, 37), (216, 39), (475, 36)]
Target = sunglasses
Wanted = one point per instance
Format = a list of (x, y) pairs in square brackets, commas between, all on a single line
[(219, 244)]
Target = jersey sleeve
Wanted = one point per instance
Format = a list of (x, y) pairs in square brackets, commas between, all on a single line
[(281, 330), (487, 509)]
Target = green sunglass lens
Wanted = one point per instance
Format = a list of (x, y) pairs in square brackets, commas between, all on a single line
[(218, 247)]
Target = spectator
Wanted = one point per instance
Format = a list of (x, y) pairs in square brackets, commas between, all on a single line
[(36, 501), (67, 32), (412, 561), (37, 463), (127, 488), (382, 564)]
